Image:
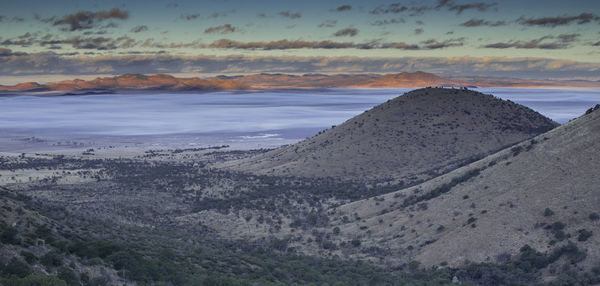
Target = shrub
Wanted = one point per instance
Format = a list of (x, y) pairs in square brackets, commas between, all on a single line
[(29, 257), (355, 242), (94, 248), (17, 268), (556, 228), (68, 276), (594, 216), (584, 234), (8, 234), (37, 280), (414, 265), (548, 212), (51, 259), (336, 230)]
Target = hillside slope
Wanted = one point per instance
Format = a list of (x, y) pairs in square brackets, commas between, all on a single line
[(542, 193), (416, 136)]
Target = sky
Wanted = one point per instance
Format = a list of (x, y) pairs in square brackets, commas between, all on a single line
[(50, 40)]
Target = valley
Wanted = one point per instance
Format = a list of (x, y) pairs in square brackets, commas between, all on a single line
[(435, 186)]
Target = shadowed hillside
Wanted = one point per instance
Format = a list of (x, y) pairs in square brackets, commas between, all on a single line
[(417, 136)]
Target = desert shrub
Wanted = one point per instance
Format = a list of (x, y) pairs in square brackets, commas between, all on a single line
[(94, 248), (592, 109), (441, 189), (571, 251), (68, 276), (28, 256), (556, 229), (8, 234), (548, 212), (329, 245), (336, 230), (516, 150), (16, 268), (98, 281), (531, 260), (51, 259), (355, 242), (584, 234), (594, 216), (34, 280)]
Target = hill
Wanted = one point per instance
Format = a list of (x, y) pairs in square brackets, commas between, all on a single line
[(414, 137), (539, 196)]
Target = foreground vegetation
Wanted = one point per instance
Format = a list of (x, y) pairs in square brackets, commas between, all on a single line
[(116, 240)]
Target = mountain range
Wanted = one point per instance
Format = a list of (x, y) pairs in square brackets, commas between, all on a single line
[(164, 82)]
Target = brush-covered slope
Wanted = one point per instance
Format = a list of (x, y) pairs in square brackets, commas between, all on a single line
[(543, 192), (416, 136)]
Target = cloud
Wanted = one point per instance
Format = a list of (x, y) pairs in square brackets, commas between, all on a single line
[(290, 14), (87, 43), (298, 44), (342, 8), (221, 14), (140, 28), (562, 41), (459, 8), (24, 40), (348, 32), (13, 19), (481, 22), (596, 44), (568, 38), (552, 22), (262, 15), (172, 5), (281, 45), (433, 44), (419, 22), (419, 31), (223, 29), (190, 17), (328, 24), (8, 53), (413, 9), (393, 8), (88, 19), (51, 63), (388, 22)]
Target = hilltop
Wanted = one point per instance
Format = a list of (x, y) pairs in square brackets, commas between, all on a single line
[(414, 137)]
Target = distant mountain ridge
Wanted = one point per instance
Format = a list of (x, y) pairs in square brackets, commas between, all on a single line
[(130, 82), (165, 82)]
